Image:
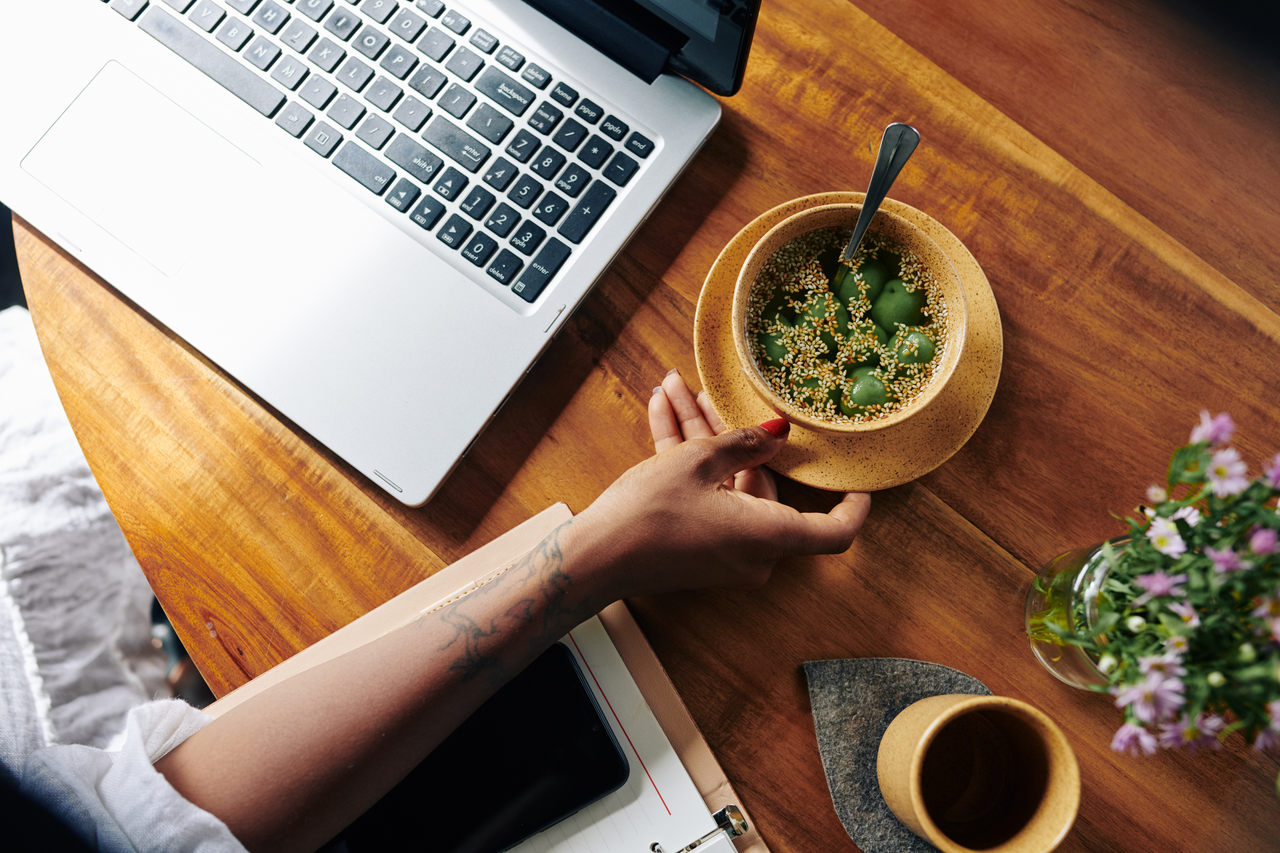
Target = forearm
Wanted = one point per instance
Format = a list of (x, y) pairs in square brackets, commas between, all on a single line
[(292, 766), (289, 768)]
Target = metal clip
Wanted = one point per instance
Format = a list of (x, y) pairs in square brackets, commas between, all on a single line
[(729, 820)]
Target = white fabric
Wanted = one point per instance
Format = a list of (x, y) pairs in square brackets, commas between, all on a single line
[(75, 651), (115, 799)]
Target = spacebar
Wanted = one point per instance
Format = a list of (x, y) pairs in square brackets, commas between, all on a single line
[(229, 73)]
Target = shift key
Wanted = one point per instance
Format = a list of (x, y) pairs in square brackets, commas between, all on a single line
[(457, 144)]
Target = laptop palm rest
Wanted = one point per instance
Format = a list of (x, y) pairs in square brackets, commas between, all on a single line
[(141, 167), (272, 276)]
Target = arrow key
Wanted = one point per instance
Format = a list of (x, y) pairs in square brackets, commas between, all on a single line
[(454, 231), (403, 194), (451, 184)]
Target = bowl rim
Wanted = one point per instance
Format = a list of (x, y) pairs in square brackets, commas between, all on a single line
[(845, 213)]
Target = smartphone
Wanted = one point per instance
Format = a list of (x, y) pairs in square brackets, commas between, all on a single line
[(537, 752)]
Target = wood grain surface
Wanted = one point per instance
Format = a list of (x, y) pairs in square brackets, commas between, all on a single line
[(1114, 167)]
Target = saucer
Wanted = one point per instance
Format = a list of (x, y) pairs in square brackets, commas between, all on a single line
[(867, 461)]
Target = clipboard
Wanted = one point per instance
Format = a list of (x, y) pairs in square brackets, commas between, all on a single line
[(730, 830)]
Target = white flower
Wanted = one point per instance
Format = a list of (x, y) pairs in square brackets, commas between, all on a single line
[(1165, 537), (1227, 473)]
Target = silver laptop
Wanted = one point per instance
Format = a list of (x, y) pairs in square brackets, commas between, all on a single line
[(375, 215)]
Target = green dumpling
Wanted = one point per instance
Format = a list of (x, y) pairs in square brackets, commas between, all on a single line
[(812, 394), (882, 337), (875, 272), (896, 305), (913, 346), (864, 389), (823, 313), (845, 285), (778, 310), (772, 348)]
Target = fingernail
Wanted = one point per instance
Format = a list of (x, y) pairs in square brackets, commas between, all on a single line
[(777, 427), (657, 389), (673, 371)]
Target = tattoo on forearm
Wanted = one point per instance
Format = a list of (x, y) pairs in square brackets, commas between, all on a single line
[(545, 613)]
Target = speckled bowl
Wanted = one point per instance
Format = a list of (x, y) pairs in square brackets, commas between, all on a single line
[(870, 459), (897, 230)]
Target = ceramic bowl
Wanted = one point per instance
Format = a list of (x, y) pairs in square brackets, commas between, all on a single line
[(896, 229)]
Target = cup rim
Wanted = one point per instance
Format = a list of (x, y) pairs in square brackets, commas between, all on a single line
[(1063, 758), (844, 213)]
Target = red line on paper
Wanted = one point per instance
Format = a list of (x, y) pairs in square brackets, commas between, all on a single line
[(620, 725)]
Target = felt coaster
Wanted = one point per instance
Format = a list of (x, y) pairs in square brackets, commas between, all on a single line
[(853, 703)]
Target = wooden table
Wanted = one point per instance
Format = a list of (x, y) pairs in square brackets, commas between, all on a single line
[(1115, 168)]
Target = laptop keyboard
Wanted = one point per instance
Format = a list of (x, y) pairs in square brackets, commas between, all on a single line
[(467, 136)]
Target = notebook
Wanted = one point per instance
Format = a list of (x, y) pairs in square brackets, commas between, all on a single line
[(677, 797), (374, 215)]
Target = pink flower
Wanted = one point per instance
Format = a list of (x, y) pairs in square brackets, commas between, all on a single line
[(1268, 608), (1133, 740), (1152, 699), (1215, 430), (1187, 614), (1271, 472), (1225, 560), (1165, 537), (1269, 737), (1193, 734), (1158, 583), (1227, 473), (1168, 664), (1262, 541), (1189, 514)]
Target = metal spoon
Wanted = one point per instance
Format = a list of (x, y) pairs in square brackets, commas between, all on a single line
[(896, 145)]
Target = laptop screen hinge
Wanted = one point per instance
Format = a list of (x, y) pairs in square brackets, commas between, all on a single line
[(638, 40)]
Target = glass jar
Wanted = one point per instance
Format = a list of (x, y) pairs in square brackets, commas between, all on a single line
[(1065, 594)]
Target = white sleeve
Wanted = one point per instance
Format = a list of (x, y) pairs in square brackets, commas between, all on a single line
[(115, 799)]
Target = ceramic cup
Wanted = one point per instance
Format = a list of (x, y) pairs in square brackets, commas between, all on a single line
[(900, 231), (983, 773)]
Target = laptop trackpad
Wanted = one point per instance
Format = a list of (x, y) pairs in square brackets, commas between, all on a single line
[(141, 167)]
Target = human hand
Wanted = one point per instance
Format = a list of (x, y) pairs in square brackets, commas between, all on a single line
[(676, 415), (701, 511)]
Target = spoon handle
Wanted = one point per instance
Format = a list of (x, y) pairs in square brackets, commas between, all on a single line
[(896, 145)]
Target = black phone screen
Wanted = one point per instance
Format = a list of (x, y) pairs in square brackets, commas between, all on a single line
[(535, 753)]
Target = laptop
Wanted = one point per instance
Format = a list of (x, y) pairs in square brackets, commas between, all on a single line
[(374, 215)]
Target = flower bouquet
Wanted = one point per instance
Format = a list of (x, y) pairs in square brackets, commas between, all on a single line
[(1181, 619)]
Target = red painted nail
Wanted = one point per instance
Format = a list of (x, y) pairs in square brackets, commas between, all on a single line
[(777, 427)]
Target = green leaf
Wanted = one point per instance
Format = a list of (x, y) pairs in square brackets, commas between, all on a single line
[(1189, 464)]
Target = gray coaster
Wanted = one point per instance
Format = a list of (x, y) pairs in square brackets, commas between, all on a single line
[(853, 703)]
